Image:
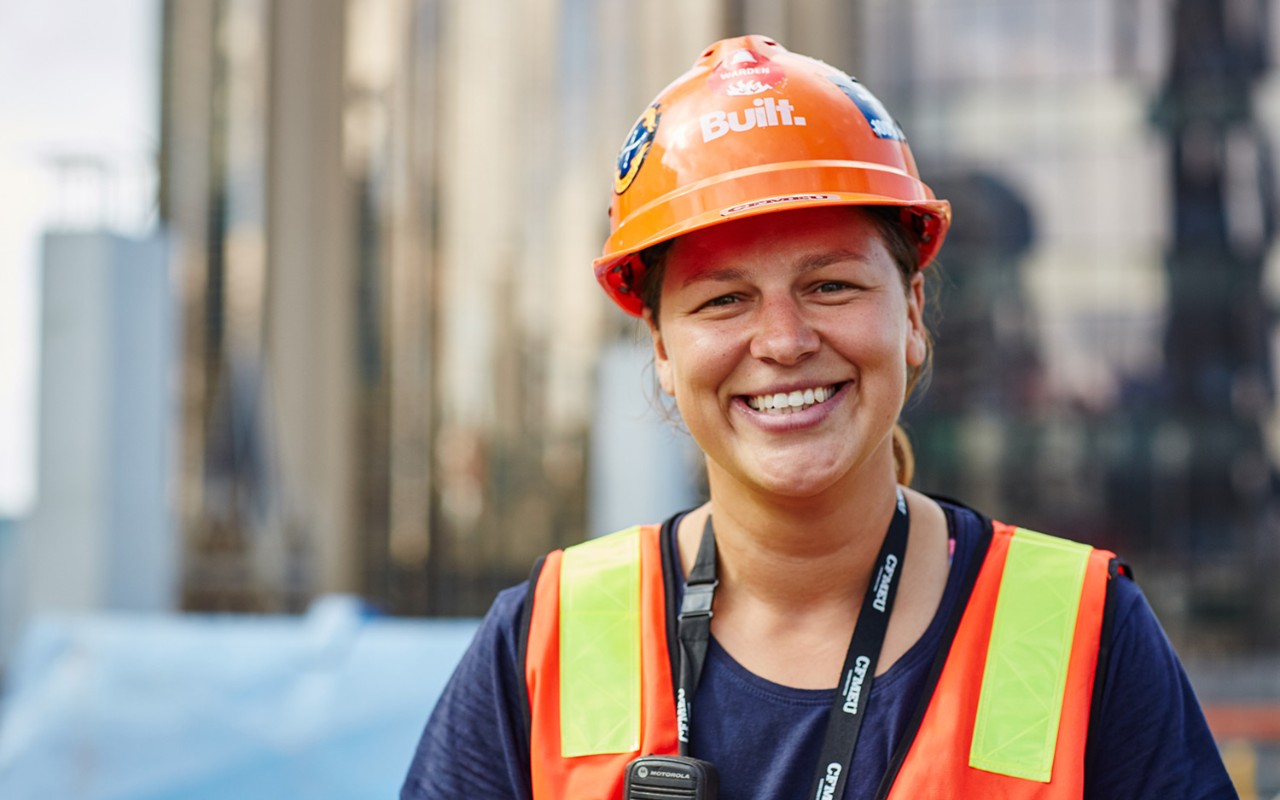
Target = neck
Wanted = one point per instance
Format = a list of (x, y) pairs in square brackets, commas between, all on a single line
[(801, 553)]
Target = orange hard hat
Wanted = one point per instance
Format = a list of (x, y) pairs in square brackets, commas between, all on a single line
[(752, 128)]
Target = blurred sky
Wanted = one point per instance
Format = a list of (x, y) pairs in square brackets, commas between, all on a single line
[(77, 78)]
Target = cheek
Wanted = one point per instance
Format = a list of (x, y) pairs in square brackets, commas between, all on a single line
[(696, 363)]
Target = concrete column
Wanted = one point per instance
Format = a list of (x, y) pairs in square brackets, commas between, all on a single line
[(310, 337)]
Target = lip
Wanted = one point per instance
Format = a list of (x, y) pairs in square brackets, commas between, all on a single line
[(796, 420)]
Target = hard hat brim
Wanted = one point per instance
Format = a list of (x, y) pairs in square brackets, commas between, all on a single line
[(776, 187)]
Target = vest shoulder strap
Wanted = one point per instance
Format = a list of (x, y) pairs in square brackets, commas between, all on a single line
[(1009, 712), (600, 646), (596, 663), (1033, 629), (671, 575)]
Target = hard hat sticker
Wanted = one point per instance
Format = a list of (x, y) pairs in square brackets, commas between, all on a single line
[(878, 118), (763, 113), (773, 201), (745, 73), (636, 148)]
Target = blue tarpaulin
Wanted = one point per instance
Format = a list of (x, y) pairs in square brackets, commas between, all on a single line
[(325, 706)]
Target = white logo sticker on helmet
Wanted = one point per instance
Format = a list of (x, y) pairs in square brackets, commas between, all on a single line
[(764, 113), (882, 125), (773, 201), (745, 73), (636, 148)]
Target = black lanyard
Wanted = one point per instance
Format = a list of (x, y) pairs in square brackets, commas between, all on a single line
[(850, 704)]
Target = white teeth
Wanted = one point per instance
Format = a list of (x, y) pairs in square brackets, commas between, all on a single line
[(790, 402)]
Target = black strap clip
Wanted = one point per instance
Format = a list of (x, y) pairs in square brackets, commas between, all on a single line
[(697, 599)]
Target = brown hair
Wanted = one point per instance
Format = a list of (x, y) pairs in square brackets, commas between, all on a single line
[(898, 240)]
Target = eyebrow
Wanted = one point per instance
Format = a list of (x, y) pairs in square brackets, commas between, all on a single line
[(807, 263)]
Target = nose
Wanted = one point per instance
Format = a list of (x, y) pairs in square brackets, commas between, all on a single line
[(784, 335)]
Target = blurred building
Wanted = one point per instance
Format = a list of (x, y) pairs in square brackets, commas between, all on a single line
[(101, 532), (386, 209), (1103, 366)]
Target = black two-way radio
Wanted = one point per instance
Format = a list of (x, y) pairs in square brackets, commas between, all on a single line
[(671, 778)]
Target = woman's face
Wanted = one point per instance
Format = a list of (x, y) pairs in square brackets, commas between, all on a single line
[(786, 340)]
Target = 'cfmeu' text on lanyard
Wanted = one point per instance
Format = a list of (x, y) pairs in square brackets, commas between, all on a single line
[(849, 706)]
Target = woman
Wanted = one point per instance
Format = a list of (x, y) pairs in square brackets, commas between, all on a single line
[(770, 228)]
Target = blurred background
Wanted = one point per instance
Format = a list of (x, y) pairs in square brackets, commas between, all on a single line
[(301, 358)]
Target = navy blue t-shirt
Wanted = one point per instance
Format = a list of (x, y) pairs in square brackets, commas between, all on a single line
[(764, 738)]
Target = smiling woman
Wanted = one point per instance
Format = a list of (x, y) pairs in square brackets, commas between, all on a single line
[(762, 316), (737, 649)]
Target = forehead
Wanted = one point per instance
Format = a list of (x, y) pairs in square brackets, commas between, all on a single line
[(800, 236)]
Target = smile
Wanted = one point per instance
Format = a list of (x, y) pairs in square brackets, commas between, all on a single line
[(791, 402)]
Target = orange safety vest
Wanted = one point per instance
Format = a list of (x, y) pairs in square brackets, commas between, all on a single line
[(1008, 702)]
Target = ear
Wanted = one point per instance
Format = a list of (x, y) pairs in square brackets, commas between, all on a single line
[(917, 336), (661, 364)]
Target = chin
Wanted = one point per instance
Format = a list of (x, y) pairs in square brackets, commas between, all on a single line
[(805, 476), (798, 484)]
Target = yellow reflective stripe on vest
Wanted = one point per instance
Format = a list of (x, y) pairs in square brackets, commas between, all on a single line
[(1016, 729), (600, 646)]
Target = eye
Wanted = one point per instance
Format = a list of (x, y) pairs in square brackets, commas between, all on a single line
[(834, 287), (721, 301)]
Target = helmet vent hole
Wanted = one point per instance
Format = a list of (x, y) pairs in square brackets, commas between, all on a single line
[(707, 52)]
